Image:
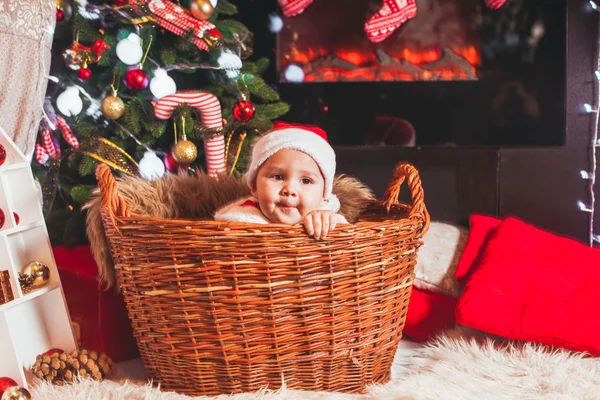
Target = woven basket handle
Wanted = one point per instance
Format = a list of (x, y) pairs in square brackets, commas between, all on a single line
[(402, 171), (110, 197)]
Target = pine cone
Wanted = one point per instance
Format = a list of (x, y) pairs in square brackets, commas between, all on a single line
[(64, 367)]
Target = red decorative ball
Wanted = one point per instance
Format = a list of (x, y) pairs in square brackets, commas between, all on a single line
[(17, 218), (2, 218), (119, 1), (215, 32), (84, 73), (5, 383), (2, 154), (100, 46), (53, 351), (136, 79), (243, 110), (60, 15), (173, 166)]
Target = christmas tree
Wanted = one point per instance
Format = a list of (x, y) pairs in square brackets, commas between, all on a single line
[(145, 86)]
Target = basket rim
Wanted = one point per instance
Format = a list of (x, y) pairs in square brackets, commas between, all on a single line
[(398, 208), (114, 206)]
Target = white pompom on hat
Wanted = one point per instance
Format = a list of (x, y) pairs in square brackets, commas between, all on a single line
[(308, 139)]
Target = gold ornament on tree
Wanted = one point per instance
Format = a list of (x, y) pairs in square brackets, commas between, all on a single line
[(201, 9), (184, 151), (16, 393), (112, 106)]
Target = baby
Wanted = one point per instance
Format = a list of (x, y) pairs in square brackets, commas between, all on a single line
[(290, 179)]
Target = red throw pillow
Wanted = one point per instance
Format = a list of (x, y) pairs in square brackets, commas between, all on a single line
[(481, 228), (428, 314), (536, 286)]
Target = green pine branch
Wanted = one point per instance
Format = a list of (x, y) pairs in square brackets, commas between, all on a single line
[(81, 193), (258, 87), (225, 7), (271, 111), (87, 166)]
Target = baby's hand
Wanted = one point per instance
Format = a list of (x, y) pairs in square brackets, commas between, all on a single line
[(319, 223)]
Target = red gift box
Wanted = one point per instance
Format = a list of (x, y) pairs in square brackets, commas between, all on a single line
[(99, 315)]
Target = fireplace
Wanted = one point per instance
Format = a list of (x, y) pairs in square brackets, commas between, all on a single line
[(327, 40)]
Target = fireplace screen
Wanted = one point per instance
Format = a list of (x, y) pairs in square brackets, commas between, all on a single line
[(329, 43)]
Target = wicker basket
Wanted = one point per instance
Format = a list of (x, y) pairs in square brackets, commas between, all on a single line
[(232, 307)]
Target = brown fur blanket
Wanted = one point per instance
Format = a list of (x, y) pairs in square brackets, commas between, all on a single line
[(193, 196)]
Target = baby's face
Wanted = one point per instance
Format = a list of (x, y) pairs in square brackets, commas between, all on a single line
[(288, 186)]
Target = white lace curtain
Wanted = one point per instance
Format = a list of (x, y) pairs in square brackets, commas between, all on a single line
[(26, 31)]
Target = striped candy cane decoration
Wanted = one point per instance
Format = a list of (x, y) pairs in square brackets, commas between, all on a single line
[(175, 19), (65, 129), (210, 112), (40, 154), (48, 143)]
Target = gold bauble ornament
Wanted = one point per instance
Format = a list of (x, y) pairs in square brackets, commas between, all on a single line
[(16, 393), (112, 107), (201, 9), (39, 273), (184, 152)]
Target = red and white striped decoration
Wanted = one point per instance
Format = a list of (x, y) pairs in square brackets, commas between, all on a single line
[(293, 7), (210, 112), (495, 4), (175, 19), (40, 154), (65, 129), (48, 143)]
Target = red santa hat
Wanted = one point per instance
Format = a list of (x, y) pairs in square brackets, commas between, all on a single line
[(308, 139)]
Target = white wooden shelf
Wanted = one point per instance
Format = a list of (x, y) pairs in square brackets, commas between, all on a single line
[(38, 321)]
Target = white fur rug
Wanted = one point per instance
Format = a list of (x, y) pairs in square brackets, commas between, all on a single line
[(458, 365)]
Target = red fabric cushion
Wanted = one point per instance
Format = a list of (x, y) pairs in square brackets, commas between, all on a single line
[(481, 228), (536, 286), (428, 314)]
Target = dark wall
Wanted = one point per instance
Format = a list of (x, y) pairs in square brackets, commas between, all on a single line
[(543, 185)]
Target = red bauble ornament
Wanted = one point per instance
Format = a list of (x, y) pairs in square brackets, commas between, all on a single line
[(99, 47), (215, 32), (60, 15), (243, 110), (17, 218), (53, 351), (84, 73), (173, 166), (119, 1), (2, 218), (2, 154), (136, 79), (5, 383)]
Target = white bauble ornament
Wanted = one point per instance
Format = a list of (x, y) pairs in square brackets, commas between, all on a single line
[(69, 103), (129, 50), (275, 23), (230, 62), (162, 84), (213, 3), (294, 73), (151, 167)]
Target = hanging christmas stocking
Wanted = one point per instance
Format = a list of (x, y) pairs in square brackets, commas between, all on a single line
[(393, 14), (495, 4), (293, 7)]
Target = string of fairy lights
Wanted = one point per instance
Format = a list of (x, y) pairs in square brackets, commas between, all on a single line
[(590, 176)]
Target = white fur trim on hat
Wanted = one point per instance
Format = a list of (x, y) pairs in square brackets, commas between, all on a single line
[(295, 139)]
